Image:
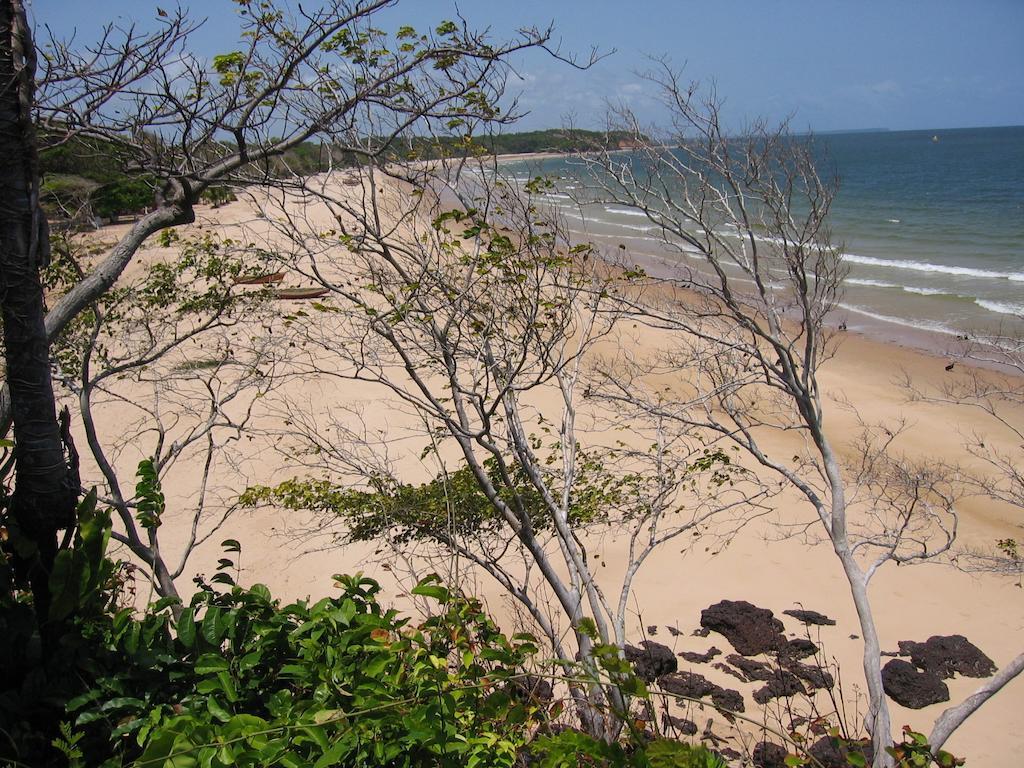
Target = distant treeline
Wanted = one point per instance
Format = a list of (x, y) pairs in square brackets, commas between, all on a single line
[(88, 179)]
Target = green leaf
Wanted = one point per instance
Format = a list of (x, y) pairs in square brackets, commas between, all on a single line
[(187, 628)]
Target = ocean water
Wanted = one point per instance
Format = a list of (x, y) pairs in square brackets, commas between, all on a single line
[(932, 230)]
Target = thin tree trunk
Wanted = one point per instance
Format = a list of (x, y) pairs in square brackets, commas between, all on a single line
[(44, 496)]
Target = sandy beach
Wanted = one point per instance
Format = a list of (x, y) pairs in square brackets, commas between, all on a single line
[(911, 603)]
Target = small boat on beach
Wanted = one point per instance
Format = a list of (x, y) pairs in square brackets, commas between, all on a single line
[(292, 294)]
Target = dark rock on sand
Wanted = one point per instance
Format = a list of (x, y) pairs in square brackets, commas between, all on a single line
[(683, 726), (910, 687), (811, 617), (769, 755), (945, 656), (781, 684), (651, 660), (687, 684), (730, 671), (799, 648), (751, 669), (812, 674), (750, 630), (728, 699), (700, 658), (828, 755)]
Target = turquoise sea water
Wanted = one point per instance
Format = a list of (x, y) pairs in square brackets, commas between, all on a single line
[(932, 230)]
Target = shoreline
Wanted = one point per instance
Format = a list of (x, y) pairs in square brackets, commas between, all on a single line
[(880, 320)]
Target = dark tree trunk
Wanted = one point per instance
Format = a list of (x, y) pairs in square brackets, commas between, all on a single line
[(44, 495)]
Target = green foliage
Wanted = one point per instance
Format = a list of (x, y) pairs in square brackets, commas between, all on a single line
[(914, 752), (128, 194), (450, 504), (149, 496), (570, 748), (240, 679)]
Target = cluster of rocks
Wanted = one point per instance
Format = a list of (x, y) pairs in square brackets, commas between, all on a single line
[(919, 682), (913, 679)]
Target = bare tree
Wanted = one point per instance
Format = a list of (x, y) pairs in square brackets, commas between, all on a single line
[(139, 94), (462, 299), (757, 275), (164, 370)]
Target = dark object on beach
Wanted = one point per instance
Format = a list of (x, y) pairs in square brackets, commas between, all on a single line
[(274, 277), (751, 669), (652, 630), (695, 686), (300, 293), (652, 660), (947, 655), (810, 617), (911, 688), (700, 658), (689, 684), (728, 699), (950, 366), (673, 631), (730, 671), (828, 754), (812, 674), (701, 632), (798, 648), (750, 630), (683, 726), (782, 683), (769, 755)]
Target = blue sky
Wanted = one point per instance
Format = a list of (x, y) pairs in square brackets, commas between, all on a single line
[(899, 64)]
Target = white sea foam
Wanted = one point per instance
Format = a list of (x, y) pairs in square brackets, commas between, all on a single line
[(893, 221), (923, 266), (872, 283), (624, 211), (926, 291), (1001, 307), (921, 325), (908, 288)]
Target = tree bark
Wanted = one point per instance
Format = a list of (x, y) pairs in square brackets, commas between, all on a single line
[(44, 495)]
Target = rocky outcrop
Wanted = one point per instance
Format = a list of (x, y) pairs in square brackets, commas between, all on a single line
[(651, 660), (811, 618), (750, 668), (688, 684), (945, 656), (728, 699), (828, 754), (749, 629), (767, 754), (683, 726), (910, 687), (798, 648), (781, 684), (813, 675), (700, 658)]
